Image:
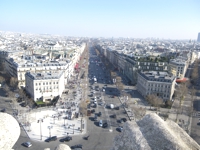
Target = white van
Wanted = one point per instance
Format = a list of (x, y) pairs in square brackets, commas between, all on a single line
[(100, 123), (112, 106)]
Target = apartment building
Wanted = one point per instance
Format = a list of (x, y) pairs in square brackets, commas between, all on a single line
[(18, 65), (178, 67), (159, 83), (44, 86)]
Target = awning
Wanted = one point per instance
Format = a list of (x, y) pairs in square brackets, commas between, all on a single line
[(76, 66)]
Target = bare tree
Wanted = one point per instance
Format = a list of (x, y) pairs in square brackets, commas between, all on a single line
[(2, 65), (83, 108), (181, 92), (97, 52), (138, 112), (193, 92), (118, 79), (194, 75), (120, 87), (22, 95), (6, 89), (154, 101), (13, 82), (113, 74), (2, 79)]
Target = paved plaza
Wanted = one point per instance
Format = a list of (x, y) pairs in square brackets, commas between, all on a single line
[(62, 120), (46, 123)]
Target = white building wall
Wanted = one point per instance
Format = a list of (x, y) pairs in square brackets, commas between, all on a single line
[(46, 88)]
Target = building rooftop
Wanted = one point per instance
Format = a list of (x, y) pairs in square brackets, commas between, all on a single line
[(44, 76), (158, 76)]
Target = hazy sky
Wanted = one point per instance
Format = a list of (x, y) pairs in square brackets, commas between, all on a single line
[(174, 19)]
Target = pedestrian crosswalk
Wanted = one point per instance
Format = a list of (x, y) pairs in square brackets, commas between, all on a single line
[(196, 114)]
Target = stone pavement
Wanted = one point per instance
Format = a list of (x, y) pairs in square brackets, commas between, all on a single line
[(45, 123)]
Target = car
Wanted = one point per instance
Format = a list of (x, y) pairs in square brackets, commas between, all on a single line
[(53, 138), (76, 146), (117, 108), (95, 117), (88, 106), (99, 114), (113, 116), (105, 125), (23, 104), (119, 121), (120, 129), (66, 139), (27, 144), (124, 119), (3, 110), (93, 111), (100, 123)]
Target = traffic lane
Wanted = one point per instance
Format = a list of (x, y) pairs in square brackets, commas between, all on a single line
[(5, 104), (195, 131)]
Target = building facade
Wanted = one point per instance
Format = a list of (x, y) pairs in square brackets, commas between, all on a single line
[(18, 66), (44, 86), (159, 83), (178, 67), (198, 38)]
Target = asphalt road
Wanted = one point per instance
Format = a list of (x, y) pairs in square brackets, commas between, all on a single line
[(195, 127)]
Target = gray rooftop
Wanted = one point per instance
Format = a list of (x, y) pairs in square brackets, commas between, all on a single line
[(44, 76), (158, 76)]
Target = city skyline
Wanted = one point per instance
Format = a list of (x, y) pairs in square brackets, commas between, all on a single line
[(134, 19)]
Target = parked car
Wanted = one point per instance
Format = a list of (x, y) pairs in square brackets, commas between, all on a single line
[(93, 111), (95, 118), (3, 110), (66, 139), (119, 121), (76, 146), (124, 119), (105, 125), (53, 138), (113, 116), (88, 112), (117, 108), (99, 114), (119, 129), (100, 123), (27, 144)]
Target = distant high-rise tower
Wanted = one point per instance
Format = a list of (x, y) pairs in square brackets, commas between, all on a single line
[(198, 39)]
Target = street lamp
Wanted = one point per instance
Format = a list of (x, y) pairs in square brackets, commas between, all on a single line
[(54, 118), (114, 80), (64, 121), (50, 127), (40, 121), (81, 123), (73, 127)]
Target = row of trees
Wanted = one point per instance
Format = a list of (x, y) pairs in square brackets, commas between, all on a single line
[(195, 74)]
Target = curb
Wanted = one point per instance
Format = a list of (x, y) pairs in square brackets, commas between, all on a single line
[(20, 125), (125, 109)]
